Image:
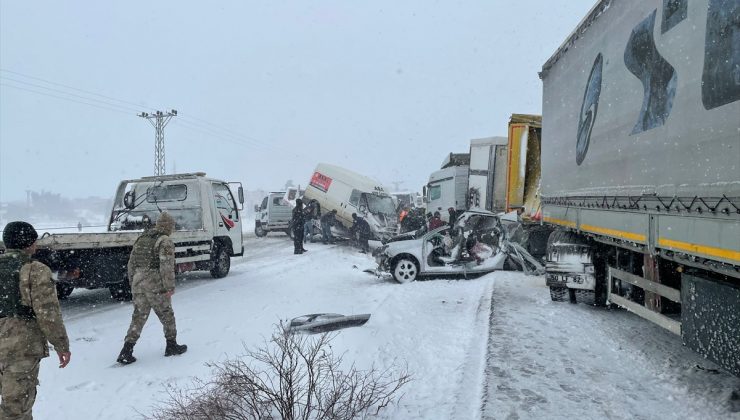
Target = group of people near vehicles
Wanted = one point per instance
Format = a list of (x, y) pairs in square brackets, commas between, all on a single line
[(31, 318), (412, 219), (303, 221)]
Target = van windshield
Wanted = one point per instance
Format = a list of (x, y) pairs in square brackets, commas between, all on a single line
[(380, 204)]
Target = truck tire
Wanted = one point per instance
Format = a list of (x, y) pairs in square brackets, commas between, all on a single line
[(120, 291), (587, 297), (260, 231), (64, 290), (405, 269), (220, 262), (558, 294)]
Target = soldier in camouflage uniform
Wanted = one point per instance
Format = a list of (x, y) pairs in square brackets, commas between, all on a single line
[(29, 318), (151, 271)]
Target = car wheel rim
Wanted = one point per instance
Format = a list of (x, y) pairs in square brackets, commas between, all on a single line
[(405, 271)]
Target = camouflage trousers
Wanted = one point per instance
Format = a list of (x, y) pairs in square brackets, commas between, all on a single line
[(18, 381), (143, 305)]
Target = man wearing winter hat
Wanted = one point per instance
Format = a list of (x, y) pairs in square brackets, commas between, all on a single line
[(30, 318), (151, 271)]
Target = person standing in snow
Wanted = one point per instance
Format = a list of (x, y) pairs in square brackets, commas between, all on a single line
[(151, 271), (327, 221), (453, 216), (361, 230), (30, 317), (297, 224), (310, 213), (436, 221)]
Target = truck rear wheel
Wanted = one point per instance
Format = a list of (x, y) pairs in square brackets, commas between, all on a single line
[(220, 262), (64, 290), (558, 294), (587, 297)]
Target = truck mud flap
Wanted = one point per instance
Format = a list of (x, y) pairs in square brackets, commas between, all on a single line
[(710, 320)]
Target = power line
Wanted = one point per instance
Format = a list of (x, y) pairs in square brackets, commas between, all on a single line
[(231, 138), (66, 93), (71, 87), (64, 98), (197, 122)]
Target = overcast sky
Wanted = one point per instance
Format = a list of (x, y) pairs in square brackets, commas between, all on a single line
[(264, 90)]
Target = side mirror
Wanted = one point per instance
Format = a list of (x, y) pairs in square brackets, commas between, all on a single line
[(129, 199), (257, 208), (241, 195)]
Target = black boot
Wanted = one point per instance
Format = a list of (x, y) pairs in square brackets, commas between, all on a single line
[(127, 354), (173, 349)]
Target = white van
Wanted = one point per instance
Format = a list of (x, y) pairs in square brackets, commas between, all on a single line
[(273, 214), (348, 192)]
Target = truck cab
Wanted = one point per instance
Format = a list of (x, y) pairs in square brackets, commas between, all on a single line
[(208, 232)]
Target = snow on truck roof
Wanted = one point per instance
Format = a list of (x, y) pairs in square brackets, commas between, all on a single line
[(600, 7), (486, 141), (171, 177)]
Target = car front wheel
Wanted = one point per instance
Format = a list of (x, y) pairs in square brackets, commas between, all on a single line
[(405, 270)]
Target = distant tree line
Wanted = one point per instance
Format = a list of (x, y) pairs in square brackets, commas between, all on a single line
[(49, 205)]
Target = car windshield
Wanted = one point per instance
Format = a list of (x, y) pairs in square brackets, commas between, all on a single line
[(380, 204)]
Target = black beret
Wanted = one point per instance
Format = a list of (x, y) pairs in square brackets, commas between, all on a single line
[(19, 235)]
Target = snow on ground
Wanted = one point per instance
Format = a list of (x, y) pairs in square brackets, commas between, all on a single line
[(558, 360), (438, 328), (540, 360)]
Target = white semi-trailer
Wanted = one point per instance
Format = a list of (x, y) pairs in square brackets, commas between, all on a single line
[(641, 167)]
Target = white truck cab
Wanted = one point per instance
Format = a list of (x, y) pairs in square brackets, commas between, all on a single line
[(208, 232)]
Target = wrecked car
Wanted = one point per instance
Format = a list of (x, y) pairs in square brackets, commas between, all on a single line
[(478, 243)]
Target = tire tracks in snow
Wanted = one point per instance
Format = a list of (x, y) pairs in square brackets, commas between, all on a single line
[(468, 401)]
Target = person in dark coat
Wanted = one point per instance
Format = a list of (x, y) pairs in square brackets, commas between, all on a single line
[(360, 229), (327, 221), (297, 224), (413, 221), (436, 221), (453, 216)]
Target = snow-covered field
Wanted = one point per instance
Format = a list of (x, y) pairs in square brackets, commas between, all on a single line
[(540, 360)]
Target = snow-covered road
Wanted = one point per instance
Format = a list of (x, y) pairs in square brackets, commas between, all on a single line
[(541, 360), (558, 360)]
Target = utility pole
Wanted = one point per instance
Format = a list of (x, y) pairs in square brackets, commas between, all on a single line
[(159, 120)]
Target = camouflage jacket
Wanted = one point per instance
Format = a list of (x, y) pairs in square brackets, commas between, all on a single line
[(23, 338), (160, 280)]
